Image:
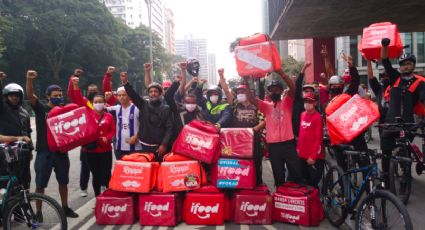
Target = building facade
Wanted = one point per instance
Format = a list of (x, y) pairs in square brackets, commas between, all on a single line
[(170, 41), (212, 70), (195, 48)]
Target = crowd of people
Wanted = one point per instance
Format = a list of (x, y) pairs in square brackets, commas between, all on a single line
[(291, 119)]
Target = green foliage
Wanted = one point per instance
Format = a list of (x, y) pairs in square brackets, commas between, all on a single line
[(291, 66)]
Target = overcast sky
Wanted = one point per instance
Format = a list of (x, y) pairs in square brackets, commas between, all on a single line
[(218, 21)]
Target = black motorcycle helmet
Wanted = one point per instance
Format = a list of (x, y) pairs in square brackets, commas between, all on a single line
[(407, 57), (193, 67), (275, 83)]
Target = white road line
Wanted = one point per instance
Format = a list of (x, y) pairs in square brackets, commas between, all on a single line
[(144, 228), (244, 227), (89, 223), (269, 227), (220, 227), (162, 228), (184, 226), (83, 212), (110, 227)]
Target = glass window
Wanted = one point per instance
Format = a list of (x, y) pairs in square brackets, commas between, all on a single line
[(353, 49), (408, 40), (421, 48)]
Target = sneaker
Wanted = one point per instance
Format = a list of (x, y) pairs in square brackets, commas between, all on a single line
[(69, 212), (39, 217), (84, 193)]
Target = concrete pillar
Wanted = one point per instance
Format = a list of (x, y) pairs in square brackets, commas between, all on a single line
[(312, 53)]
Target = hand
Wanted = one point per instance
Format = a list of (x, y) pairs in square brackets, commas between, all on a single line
[(310, 161), (148, 67), (75, 81), (385, 42), (78, 72), (108, 95), (31, 74), (324, 51), (104, 139), (348, 59), (124, 77), (221, 73), (217, 126), (306, 65), (194, 79), (2, 76), (110, 70), (25, 139), (202, 81), (256, 129), (162, 150), (183, 66), (132, 140), (177, 78), (280, 72)]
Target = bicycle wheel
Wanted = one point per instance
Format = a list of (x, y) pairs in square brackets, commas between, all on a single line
[(388, 210), (22, 215), (400, 176), (334, 201)]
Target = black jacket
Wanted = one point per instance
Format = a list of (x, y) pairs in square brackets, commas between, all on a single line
[(156, 122)]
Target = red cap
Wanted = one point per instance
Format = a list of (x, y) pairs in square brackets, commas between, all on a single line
[(309, 97), (166, 84)]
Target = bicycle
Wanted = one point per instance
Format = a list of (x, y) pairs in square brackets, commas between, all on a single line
[(375, 209), (405, 153), (18, 206)]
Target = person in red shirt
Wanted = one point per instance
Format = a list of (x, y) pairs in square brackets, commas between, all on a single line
[(310, 146), (99, 153)]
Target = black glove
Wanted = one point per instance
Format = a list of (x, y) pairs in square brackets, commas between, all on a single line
[(385, 42)]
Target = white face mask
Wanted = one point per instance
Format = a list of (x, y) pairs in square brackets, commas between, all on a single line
[(308, 106), (241, 97), (214, 99), (99, 106), (190, 107)]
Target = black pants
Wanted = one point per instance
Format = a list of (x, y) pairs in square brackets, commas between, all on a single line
[(84, 171), (313, 173), (388, 144), (258, 158), (282, 153), (119, 154), (152, 149), (100, 165), (359, 144)]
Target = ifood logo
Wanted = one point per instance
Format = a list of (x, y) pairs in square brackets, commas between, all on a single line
[(198, 209), (251, 209), (132, 171), (225, 171), (113, 211), (290, 217), (156, 209), (196, 143), (179, 169), (63, 126)]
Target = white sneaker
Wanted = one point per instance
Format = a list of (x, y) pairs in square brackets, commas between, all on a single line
[(84, 193)]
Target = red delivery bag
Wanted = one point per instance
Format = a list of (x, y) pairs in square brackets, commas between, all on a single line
[(352, 118), (198, 140), (297, 204), (139, 157), (203, 208), (254, 39), (139, 177), (69, 127), (257, 59), (233, 174), (237, 142), (370, 44), (115, 208), (179, 176), (252, 207), (158, 209)]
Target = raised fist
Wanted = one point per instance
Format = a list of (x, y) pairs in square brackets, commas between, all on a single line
[(31, 74), (183, 66), (124, 77), (2, 75), (110, 69), (221, 72), (148, 67), (385, 42), (78, 72)]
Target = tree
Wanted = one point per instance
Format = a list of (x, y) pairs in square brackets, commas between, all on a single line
[(291, 66)]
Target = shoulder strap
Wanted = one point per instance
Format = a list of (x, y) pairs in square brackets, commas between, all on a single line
[(119, 119), (131, 119)]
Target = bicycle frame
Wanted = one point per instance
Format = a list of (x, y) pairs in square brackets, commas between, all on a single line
[(371, 170), (11, 181)]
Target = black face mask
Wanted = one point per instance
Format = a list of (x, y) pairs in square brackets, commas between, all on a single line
[(336, 91), (155, 101), (91, 95), (275, 97)]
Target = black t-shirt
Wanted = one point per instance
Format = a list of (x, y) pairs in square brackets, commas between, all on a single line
[(41, 111), (245, 116)]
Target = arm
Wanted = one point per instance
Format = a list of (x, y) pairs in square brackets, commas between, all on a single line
[(169, 96), (76, 94), (168, 130), (138, 101), (70, 90), (225, 87), (375, 86), (2, 77), (226, 117), (31, 75), (288, 82), (328, 66), (317, 141), (355, 78), (111, 134), (184, 78), (148, 79), (392, 73), (107, 87), (14, 139)]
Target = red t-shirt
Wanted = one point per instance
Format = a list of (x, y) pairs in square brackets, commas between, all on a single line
[(310, 140)]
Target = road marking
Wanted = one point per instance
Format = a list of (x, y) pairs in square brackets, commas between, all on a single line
[(83, 211), (220, 227), (110, 227), (269, 227), (244, 227), (89, 223), (184, 226)]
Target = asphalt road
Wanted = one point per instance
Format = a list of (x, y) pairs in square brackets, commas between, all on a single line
[(84, 205)]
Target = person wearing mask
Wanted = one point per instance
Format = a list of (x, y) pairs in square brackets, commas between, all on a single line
[(15, 121), (92, 90), (407, 90), (46, 161), (280, 135), (246, 115), (99, 152), (156, 122), (310, 145)]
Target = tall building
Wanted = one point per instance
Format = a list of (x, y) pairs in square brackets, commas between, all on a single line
[(196, 48), (135, 13), (296, 49), (170, 41), (212, 70)]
